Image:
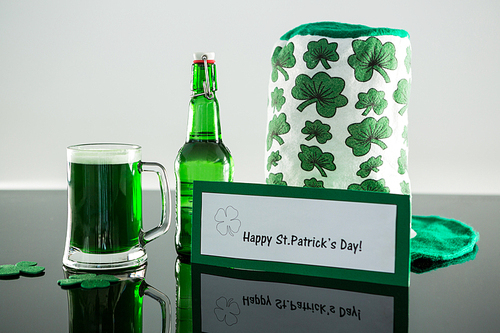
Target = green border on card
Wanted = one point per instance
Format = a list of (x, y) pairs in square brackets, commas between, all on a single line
[(401, 276)]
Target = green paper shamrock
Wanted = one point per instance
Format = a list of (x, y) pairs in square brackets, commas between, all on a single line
[(370, 55), (320, 51), (88, 281), (22, 267), (277, 99), (273, 159), (317, 130), (313, 182), (402, 95), (367, 132), (277, 126), (371, 165), (370, 185), (321, 89), (314, 157), (275, 179), (372, 100), (282, 58)]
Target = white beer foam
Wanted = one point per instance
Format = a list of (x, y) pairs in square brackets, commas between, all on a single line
[(104, 153)]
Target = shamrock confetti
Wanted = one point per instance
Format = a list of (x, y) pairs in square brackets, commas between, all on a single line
[(88, 281), (22, 267)]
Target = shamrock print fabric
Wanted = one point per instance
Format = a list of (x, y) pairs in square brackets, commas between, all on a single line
[(338, 109)]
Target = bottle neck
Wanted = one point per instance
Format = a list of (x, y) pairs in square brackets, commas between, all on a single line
[(203, 120), (202, 74)]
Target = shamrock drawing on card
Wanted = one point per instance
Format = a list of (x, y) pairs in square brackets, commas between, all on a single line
[(227, 221), (227, 310)]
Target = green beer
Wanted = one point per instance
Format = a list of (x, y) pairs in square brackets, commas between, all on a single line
[(203, 156), (105, 201), (117, 308), (105, 206)]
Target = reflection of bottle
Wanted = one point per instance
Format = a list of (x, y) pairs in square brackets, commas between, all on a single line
[(184, 297), (203, 156)]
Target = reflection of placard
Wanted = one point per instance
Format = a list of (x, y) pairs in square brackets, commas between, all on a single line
[(355, 235), (241, 302)]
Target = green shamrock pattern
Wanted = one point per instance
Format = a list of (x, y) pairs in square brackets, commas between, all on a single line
[(322, 90), (408, 59), (314, 157), (371, 165), (371, 55), (273, 159), (277, 99), (317, 130), (402, 162), (277, 127), (337, 116), (370, 185), (401, 95), (275, 179), (366, 133), (320, 51), (313, 182), (372, 100), (282, 58)]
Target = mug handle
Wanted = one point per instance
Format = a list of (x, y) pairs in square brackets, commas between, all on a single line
[(166, 308), (162, 228)]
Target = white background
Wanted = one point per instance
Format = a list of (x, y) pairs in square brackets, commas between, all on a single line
[(119, 71)]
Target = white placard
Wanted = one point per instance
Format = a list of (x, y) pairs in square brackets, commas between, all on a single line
[(341, 234)]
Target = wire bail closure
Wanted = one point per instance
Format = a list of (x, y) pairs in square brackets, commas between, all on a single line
[(207, 92)]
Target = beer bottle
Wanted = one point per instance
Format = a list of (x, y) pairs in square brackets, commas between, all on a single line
[(203, 156)]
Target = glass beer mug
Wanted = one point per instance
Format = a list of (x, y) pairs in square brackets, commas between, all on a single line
[(105, 207)]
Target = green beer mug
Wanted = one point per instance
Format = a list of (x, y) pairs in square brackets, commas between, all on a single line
[(105, 206), (116, 308)]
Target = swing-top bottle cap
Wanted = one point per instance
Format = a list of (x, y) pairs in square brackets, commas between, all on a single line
[(198, 57)]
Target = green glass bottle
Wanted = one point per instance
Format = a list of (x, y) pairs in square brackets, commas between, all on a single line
[(203, 156)]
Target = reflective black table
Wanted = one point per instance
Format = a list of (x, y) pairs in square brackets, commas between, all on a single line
[(458, 298)]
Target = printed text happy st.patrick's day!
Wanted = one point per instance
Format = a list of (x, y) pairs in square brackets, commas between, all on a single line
[(303, 241)]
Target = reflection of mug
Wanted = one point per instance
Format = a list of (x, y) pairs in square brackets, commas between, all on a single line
[(105, 206), (117, 308)]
